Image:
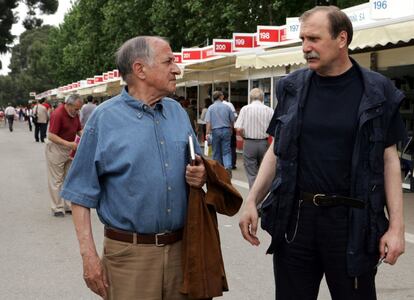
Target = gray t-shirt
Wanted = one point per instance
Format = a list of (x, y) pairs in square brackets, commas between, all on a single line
[(85, 112)]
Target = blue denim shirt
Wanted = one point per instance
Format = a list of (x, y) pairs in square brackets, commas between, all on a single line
[(219, 115), (130, 165)]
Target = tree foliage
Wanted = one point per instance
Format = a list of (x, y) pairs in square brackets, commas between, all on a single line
[(8, 17), (85, 43), (30, 69)]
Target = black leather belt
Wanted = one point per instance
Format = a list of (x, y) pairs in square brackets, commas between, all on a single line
[(331, 200), (159, 239)]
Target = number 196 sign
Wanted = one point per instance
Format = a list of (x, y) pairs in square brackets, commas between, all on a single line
[(381, 9)]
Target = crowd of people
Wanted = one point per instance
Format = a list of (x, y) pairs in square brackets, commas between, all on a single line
[(323, 184)]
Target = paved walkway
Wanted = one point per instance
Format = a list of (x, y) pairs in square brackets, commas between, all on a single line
[(39, 255)]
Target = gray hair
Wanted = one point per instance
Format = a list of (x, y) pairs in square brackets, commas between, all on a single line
[(133, 49), (217, 94), (256, 94), (72, 98)]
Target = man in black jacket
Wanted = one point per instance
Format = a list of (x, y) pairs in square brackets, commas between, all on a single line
[(332, 168)]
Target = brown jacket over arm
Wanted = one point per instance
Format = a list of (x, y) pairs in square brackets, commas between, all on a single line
[(204, 275)]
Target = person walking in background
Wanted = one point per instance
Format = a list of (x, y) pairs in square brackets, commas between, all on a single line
[(220, 120), (64, 126), (116, 174), (40, 117), (185, 103), (87, 110), (333, 168), (21, 113), (233, 143), (10, 113), (29, 116), (252, 124), (202, 119)]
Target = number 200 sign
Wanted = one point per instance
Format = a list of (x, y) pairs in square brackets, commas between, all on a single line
[(222, 46)]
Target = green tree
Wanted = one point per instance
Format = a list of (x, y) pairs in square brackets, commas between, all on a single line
[(30, 70), (85, 43), (8, 18)]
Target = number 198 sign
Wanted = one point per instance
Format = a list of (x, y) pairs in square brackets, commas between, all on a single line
[(381, 9)]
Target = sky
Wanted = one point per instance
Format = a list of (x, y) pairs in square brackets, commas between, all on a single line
[(17, 29)]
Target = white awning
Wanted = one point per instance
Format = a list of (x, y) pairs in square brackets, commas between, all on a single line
[(391, 31), (281, 57), (383, 35), (85, 91), (246, 61)]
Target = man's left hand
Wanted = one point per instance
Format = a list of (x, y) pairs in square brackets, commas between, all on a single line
[(392, 245), (196, 175)]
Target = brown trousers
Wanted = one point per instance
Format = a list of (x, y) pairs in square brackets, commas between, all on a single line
[(147, 272), (58, 163)]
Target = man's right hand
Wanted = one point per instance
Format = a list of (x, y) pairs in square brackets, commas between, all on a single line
[(248, 223), (94, 275), (73, 145)]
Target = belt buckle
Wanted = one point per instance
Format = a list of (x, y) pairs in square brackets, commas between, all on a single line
[(156, 239), (315, 198)]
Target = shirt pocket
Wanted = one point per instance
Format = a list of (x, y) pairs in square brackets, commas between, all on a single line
[(181, 154)]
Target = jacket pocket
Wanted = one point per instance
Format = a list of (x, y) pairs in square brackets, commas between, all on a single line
[(282, 135), (269, 207), (376, 153), (378, 222)]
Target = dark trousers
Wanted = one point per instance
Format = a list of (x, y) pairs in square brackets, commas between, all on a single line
[(40, 129), (10, 120), (233, 149), (29, 122), (317, 248)]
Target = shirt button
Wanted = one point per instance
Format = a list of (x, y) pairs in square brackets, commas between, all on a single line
[(158, 122), (169, 188), (166, 165), (162, 142), (168, 210)]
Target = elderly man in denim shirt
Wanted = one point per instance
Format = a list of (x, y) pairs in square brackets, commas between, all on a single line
[(132, 166)]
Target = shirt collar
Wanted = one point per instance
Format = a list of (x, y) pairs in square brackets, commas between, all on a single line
[(256, 102), (140, 105)]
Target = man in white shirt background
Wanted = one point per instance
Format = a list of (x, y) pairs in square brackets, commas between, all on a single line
[(252, 124), (10, 112)]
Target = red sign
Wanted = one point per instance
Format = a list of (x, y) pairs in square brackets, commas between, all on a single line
[(244, 41), (191, 54), (105, 76), (207, 52), (90, 81), (116, 73), (268, 34), (111, 74), (282, 34), (98, 79), (178, 57), (222, 46)]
